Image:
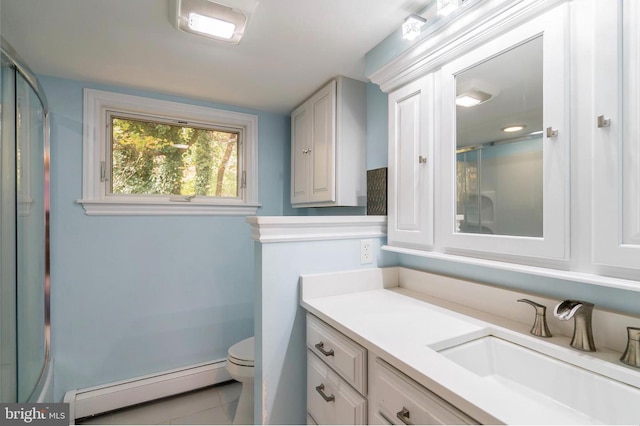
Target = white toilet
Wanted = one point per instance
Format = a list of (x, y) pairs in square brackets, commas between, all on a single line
[(240, 362)]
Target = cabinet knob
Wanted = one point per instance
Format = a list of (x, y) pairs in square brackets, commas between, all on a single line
[(422, 159), (551, 132), (603, 122)]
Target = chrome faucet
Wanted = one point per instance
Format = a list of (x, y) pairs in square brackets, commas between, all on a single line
[(581, 312), (540, 327), (631, 355)]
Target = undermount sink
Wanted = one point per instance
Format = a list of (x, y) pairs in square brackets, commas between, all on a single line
[(544, 378)]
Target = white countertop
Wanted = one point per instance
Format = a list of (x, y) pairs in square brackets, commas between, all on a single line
[(407, 332)]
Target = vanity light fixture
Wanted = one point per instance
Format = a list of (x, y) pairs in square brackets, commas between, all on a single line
[(445, 7), (411, 26), (514, 128), (209, 19), (472, 98)]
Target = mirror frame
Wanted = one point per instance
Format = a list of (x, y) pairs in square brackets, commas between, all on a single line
[(554, 244)]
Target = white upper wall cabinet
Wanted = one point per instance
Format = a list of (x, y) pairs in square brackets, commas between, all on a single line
[(616, 148), (505, 157), (515, 140), (328, 147), (411, 164)]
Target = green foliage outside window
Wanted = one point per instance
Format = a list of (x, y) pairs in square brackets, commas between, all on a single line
[(155, 158)]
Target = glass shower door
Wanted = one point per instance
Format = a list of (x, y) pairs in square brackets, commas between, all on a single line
[(24, 207), (8, 356), (30, 238)]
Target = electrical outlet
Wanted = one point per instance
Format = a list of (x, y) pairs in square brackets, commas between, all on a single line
[(366, 251)]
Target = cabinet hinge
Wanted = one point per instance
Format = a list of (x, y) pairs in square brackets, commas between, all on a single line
[(243, 179)]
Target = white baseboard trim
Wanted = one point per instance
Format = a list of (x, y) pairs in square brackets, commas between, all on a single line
[(100, 399)]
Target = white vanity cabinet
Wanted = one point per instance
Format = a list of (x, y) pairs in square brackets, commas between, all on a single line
[(616, 127), (336, 376), (343, 388), (411, 165), (328, 147), (397, 399)]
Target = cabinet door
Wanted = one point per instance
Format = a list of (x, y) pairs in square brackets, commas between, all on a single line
[(301, 141), (616, 150), (505, 188), (400, 400), (330, 400), (322, 107), (411, 163), (345, 356)]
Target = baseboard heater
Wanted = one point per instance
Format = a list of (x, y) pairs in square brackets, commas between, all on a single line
[(101, 399)]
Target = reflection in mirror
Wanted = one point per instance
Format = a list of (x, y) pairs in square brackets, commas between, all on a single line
[(499, 144), (630, 128)]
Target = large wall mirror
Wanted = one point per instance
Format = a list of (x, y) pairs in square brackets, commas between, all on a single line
[(499, 144)]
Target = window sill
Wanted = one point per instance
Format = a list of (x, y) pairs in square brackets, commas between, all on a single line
[(164, 208)]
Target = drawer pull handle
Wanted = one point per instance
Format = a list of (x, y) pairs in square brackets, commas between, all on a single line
[(324, 396), (320, 347), (404, 416)]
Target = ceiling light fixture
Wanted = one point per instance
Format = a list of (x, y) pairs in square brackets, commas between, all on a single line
[(209, 19), (445, 7), (514, 128), (472, 98), (211, 26), (412, 26)]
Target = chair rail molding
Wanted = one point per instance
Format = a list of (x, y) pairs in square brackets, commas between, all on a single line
[(273, 229)]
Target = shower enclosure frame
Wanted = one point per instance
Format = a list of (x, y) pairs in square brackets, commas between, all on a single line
[(43, 389)]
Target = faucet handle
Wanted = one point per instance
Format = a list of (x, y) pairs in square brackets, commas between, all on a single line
[(631, 354), (540, 327)]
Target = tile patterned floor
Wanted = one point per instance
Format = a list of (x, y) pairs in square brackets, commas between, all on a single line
[(214, 405)]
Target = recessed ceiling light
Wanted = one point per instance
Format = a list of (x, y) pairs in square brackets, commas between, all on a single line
[(472, 98), (514, 128)]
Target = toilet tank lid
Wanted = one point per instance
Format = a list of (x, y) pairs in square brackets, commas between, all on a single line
[(243, 350)]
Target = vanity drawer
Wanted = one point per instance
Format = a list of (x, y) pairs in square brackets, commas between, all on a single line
[(401, 400), (345, 356), (330, 400)]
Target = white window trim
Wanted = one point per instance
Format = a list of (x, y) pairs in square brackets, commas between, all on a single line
[(94, 198)]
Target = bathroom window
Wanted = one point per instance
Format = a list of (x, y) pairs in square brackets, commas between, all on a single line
[(146, 156)]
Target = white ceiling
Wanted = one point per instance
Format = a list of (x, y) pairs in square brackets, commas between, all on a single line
[(290, 48)]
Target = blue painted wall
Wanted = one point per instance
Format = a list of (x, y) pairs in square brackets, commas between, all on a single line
[(280, 376), (137, 295)]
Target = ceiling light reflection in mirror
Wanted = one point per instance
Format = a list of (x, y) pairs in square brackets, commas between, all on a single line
[(499, 144)]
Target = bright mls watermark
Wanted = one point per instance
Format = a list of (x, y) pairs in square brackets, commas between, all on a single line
[(34, 414)]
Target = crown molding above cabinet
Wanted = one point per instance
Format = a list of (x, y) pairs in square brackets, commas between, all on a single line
[(468, 31)]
